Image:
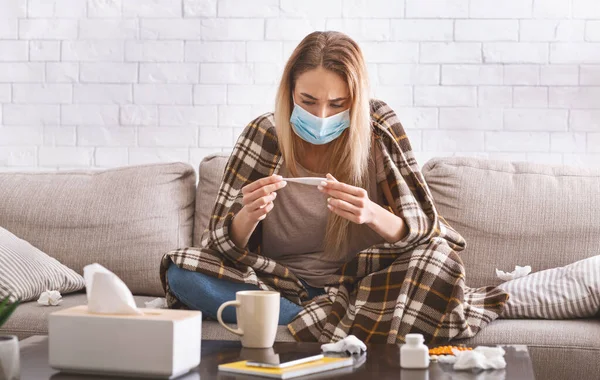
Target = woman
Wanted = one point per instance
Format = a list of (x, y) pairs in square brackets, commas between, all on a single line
[(364, 253)]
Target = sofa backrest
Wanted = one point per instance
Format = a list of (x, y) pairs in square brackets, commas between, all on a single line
[(517, 213), (125, 218), (210, 174)]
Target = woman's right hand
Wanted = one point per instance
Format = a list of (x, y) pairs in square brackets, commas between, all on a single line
[(257, 202), (259, 196)]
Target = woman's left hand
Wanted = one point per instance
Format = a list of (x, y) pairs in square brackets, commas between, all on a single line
[(348, 201)]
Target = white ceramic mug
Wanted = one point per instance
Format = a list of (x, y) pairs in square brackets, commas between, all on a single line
[(257, 314)]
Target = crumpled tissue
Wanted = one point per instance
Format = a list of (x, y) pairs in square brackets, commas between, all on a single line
[(350, 344), (50, 298), (107, 293), (517, 273), (480, 357)]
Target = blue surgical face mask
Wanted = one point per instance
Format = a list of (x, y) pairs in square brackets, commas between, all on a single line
[(318, 130)]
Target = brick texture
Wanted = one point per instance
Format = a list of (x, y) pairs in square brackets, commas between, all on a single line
[(105, 83)]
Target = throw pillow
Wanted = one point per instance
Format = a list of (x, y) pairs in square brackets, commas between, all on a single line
[(26, 272), (568, 292)]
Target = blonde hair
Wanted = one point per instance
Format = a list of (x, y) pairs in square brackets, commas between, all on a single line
[(349, 153)]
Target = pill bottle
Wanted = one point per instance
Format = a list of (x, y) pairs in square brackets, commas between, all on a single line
[(414, 354)]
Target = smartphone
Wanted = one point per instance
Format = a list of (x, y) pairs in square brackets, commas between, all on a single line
[(285, 359)]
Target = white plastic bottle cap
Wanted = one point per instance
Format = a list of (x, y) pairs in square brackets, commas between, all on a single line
[(414, 338)]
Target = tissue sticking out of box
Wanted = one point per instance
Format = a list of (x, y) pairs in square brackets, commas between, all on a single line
[(107, 293), (517, 273)]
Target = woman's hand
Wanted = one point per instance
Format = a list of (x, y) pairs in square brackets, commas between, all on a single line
[(348, 201), (353, 203), (257, 203), (259, 196)]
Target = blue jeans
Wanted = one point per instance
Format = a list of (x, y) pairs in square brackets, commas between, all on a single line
[(202, 292)]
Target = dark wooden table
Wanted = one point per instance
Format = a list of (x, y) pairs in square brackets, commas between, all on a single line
[(381, 362)]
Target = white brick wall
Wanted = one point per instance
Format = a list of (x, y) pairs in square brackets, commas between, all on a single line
[(104, 83)]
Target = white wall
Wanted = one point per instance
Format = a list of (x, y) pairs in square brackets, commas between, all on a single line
[(103, 83)]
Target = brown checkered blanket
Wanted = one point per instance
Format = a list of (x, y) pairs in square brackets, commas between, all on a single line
[(414, 285)]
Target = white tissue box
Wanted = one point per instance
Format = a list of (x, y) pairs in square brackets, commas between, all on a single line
[(161, 343)]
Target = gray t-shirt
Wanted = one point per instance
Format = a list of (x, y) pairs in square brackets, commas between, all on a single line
[(294, 231)]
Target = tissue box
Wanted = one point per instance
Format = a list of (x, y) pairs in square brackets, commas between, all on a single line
[(161, 343)]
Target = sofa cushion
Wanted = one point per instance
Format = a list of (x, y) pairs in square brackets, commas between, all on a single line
[(517, 213), (125, 218), (31, 318), (210, 174), (26, 272), (567, 292)]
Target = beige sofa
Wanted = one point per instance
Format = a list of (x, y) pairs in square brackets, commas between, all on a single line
[(126, 218)]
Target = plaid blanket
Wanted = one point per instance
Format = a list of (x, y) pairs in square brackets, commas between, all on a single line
[(416, 285)]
